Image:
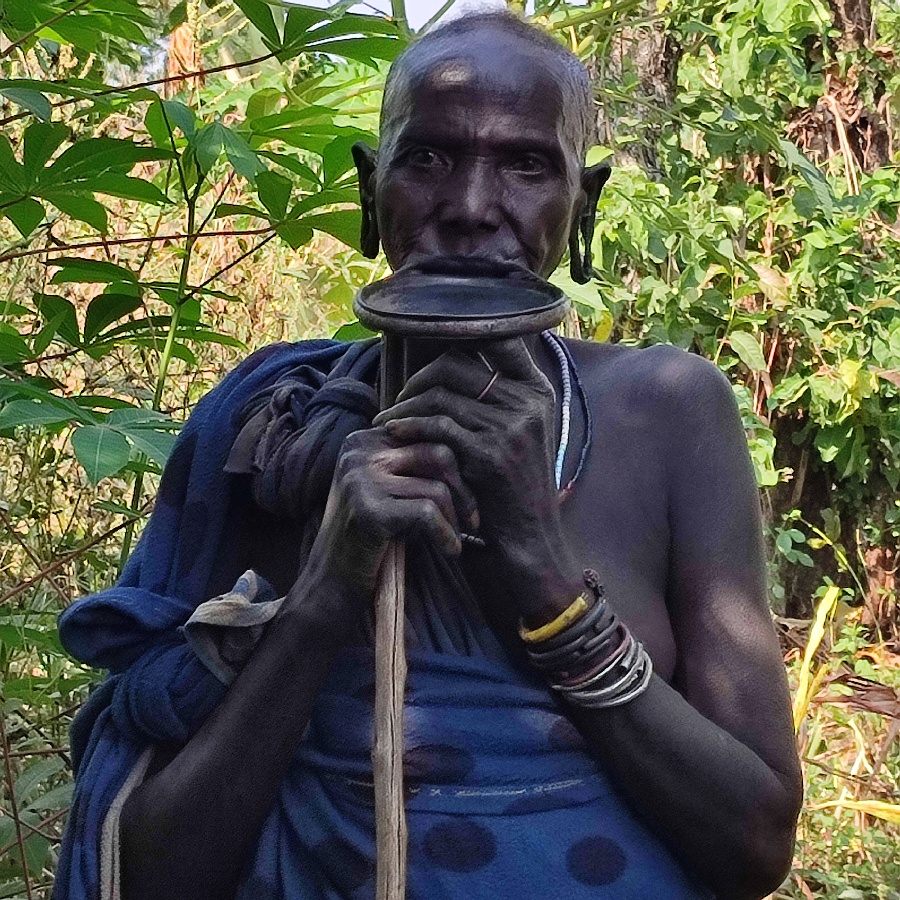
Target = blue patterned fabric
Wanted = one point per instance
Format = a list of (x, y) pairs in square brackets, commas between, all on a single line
[(505, 800)]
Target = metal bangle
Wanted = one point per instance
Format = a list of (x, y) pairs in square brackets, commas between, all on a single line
[(595, 687), (577, 648), (582, 626), (606, 665), (631, 686)]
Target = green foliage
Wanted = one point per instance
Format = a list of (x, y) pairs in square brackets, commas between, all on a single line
[(141, 218)]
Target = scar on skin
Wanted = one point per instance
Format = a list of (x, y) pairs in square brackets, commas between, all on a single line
[(451, 74)]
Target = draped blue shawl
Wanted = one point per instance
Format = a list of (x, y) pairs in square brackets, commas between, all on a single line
[(505, 801)]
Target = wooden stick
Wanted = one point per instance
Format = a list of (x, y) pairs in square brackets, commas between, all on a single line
[(387, 750), (390, 679)]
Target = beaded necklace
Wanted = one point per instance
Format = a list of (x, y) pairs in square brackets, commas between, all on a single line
[(569, 374)]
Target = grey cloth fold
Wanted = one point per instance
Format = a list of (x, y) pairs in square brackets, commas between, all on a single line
[(223, 631)]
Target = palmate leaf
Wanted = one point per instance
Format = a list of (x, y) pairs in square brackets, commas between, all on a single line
[(101, 450), (78, 206), (32, 413), (26, 214), (96, 271), (344, 224), (105, 309), (30, 100), (41, 141)]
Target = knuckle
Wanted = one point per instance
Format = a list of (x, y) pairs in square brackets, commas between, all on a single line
[(444, 456), (431, 516)]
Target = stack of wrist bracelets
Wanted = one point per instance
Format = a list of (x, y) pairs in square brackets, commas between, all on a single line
[(588, 654)]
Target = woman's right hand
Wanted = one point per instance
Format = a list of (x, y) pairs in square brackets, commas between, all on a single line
[(383, 490)]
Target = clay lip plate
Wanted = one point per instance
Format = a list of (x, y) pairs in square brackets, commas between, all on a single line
[(416, 303)]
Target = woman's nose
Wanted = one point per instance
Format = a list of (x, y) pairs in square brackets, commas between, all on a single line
[(471, 201)]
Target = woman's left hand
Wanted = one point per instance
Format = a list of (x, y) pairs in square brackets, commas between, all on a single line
[(505, 445)]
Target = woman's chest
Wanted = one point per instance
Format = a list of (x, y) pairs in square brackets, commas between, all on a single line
[(615, 519)]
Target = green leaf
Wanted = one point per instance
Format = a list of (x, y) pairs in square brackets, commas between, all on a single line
[(811, 174), (26, 215), (100, 450), (264, 102), (298, 22), (831, 439), (261, 16), (337, 159), (238, 209), (294, 233), (32, 413), (96, 271), (63, 312), (12, 175), (157, 445), (56, 798), (747, 348), (129, 188), (42, 140), (274, 193), (34, 776), (353, 331), (342, 224), (178, 16), (13, 349), (33, 101), (106, 309), (84, 209), (182, 116), (208, 145), (241, 155)]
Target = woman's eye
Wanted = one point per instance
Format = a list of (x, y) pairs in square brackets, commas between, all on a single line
[(528, 164), (424, 158)]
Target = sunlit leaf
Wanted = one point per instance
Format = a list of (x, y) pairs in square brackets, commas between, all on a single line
[(32, 101), (100, 450), (748, 350)]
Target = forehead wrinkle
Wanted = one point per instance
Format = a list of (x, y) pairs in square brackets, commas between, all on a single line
[(467, 81)]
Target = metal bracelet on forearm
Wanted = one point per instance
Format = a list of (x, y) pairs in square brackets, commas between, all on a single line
[(446, 300)]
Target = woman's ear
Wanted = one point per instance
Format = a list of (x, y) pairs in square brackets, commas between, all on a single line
[(581, 236), (366, 160)]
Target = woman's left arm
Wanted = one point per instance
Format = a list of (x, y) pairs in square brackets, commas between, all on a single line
[(710, 761)]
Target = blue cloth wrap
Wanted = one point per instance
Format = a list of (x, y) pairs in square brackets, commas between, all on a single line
[(505, 800)]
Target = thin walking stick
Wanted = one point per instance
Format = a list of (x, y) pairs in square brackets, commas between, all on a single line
[(390, 681), (490, 302)]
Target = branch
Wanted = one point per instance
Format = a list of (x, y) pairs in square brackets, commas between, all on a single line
[(63, 560), (25, 37), (195, 290), (65, 248), (184, 76), (32, 556)]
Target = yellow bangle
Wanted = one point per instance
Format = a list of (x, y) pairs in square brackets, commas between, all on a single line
[(576, 610)]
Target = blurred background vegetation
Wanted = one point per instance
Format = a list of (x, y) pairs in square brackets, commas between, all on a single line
[(176, 190)]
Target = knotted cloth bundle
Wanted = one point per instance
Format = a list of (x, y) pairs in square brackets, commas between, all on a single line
[(505, 799)]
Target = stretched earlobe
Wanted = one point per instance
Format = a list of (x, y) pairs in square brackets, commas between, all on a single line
[(582, 233), (366, 160), (576, 261)]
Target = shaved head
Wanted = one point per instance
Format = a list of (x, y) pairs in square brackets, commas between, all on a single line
[(442, 53)]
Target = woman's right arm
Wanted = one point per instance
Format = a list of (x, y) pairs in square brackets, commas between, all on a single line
[(190, 829)]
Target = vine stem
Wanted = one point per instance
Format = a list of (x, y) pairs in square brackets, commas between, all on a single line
[(153, 82), (191, 198), (63, 560), (14, 807)]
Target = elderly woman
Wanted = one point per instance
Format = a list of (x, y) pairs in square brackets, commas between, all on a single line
[(564, 739)]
